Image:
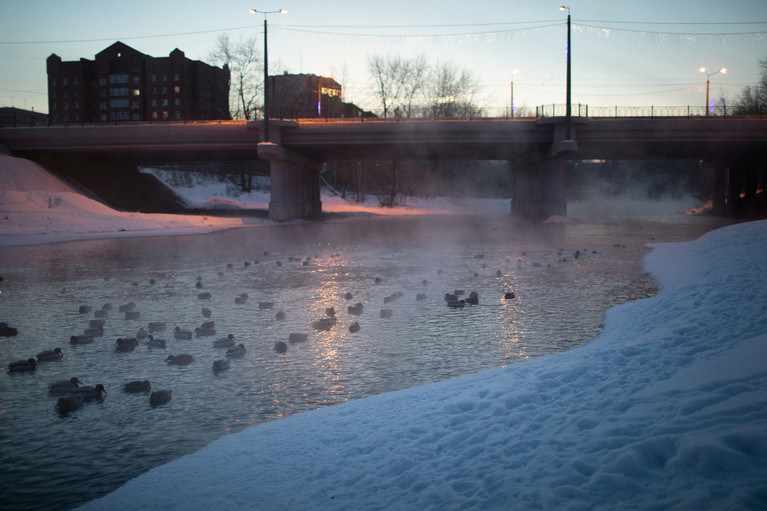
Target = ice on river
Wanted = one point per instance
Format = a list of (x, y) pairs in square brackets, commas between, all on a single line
[(667, 408)]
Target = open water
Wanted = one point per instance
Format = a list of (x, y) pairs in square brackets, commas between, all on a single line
[(564, 278)]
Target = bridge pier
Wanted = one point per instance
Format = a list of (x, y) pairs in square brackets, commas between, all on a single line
[(538, 189), (295, 183)]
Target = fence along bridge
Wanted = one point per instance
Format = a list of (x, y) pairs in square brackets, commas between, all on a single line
[(536, 148)]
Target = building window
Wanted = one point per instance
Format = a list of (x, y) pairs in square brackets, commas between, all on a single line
[(134, 105), (165, 77), (177, 102), (54, 81), (136, 117), (136, 92), (154, 78), (164, 102), (76, 81), (176, 77), (118, 103), (164, 90), (103, 105), (136, 80), (154, 90), (165, 115), (118, 91), (154, 102), (102, 81), (154, 115), (66, 106), (177, 115), (118, 78), (177, 89), (65, 81)]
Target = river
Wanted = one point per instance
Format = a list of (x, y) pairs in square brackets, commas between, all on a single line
[(563, 278)]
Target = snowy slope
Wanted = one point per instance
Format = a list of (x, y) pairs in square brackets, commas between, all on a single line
[(666, 409)]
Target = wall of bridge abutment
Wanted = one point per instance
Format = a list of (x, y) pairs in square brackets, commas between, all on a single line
[(739, 187)]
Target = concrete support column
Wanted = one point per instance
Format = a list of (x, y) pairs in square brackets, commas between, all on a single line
[(295, 183), (538, 189), (718, 200), (734, 186)]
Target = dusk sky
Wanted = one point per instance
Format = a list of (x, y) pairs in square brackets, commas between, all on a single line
[(624, 53)]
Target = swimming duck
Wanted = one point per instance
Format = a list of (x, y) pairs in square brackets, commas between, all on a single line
[(155, 343), (7, 331), (220, 365), (224, 342), (60, 388), (136, 386), (80, 339), (180, 360), (50, 355), (280, 347), (178, 333), (354, 327), (69, 404), (21, 366), (123, 345), (160, 397), (88, 392), (157, 326), (236, 352), (241, 299)]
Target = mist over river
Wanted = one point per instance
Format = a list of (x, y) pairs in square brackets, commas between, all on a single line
[(563, 277)]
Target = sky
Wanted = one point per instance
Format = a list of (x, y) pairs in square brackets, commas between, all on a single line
[(623, 54)]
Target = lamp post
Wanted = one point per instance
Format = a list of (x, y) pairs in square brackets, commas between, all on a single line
[(569, 63), (266, 70), (512, 92), (708, 82)]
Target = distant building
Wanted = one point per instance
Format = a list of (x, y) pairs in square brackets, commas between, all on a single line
[(123, 84), (10, 116), (306, 96)]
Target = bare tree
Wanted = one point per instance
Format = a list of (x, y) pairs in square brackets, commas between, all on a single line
[(452, 91), (246, 79), (398, 83), (753, 99)]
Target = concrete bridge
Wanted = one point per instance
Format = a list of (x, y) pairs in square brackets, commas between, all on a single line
[(536, 149)]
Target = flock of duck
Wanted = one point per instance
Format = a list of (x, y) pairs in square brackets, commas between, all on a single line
[(73, 394)]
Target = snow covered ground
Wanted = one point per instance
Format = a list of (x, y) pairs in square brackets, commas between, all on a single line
[(666, 409)]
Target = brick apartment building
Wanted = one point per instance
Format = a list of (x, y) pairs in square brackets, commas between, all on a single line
[(122, 84), (306, 96)]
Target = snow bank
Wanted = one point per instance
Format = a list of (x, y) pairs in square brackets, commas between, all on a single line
[(665, 409)]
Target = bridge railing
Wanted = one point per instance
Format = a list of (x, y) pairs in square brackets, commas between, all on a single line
[(581, 110)]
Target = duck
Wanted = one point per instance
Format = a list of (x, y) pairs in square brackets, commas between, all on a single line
[(220, 365), (160, 397), (181, 360), (60, 388), (88, 392), (294, 338), (206, 312), (178, 333), (81, 339), (207, 328), (69, 404), (157, 326), (280, 315), (324, 324), (127, 307), (155, 343), (136, 386), (7, 331), (386, 313), (50, 355), (123, 345), (236, 352), (354, 327), (94, 331), (23, 366), (355, 309), (239, 300), (280, 347), (224, 342)]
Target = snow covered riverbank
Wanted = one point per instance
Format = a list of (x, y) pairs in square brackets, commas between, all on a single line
[(666, 409)]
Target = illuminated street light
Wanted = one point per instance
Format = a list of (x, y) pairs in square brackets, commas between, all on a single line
[(266, 70), (569, 63), (708, 85)]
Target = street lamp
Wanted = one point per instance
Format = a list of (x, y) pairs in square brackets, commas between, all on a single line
[(708, 84), (569, 63), (512, 92), (266, 70)]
